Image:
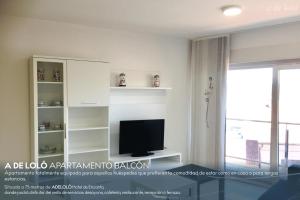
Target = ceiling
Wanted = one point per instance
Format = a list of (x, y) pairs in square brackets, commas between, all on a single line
[(182, 18)]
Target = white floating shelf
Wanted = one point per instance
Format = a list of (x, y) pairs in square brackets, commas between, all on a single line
[(86, 150), (49, 107), (49, 82), (51, 131), (89, 128), (50, 155), (140, 88)]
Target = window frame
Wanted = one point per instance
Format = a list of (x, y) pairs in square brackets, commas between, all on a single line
[(276, 67)]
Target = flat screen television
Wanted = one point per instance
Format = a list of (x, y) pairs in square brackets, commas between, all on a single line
[(139, 137)]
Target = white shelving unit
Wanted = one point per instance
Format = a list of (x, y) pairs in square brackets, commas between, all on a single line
[(140, 96), (83, 116), (88, 100), (47, 89)]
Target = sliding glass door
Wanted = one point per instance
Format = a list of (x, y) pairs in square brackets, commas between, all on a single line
[(289, 117), (263, 118), (248, 134)]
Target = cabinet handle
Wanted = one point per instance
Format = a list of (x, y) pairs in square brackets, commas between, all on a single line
[(65, 131)]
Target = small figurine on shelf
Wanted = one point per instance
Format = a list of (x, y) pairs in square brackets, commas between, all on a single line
[(56, 76), (41, 74), (57, 127), (48, 149), (42, 127), (122, 80), (42, 103), (57, 103), (156, 81), (47, 125)]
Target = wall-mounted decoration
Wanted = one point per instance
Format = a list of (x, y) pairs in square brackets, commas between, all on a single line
[(207, 94), (156, 81), (122, 80)]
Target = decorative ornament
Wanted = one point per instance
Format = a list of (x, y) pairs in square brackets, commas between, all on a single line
[(122, 80), (56, 76), (156, 81)]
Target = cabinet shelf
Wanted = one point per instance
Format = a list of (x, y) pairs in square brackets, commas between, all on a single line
[(49, 107), (89, 128), (81, 150), (50, 82), (50, 155), (140, 88), (51, 131)]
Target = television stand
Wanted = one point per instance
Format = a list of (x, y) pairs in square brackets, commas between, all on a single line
[(142, 154), (162, 160)]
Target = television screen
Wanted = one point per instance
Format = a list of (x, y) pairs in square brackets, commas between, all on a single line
[(138, 137)]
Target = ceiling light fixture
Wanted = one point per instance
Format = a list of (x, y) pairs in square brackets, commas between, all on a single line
[(231, 10)]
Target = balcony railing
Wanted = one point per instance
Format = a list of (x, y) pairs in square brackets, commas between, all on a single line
[(258, 147)]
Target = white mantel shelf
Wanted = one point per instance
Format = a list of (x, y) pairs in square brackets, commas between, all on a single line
[(140, 88)]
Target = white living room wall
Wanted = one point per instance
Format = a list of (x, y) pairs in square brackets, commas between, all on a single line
[(23, 37), (265, 44)]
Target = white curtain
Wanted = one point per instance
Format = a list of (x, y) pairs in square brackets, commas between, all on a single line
[(209, 65)]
